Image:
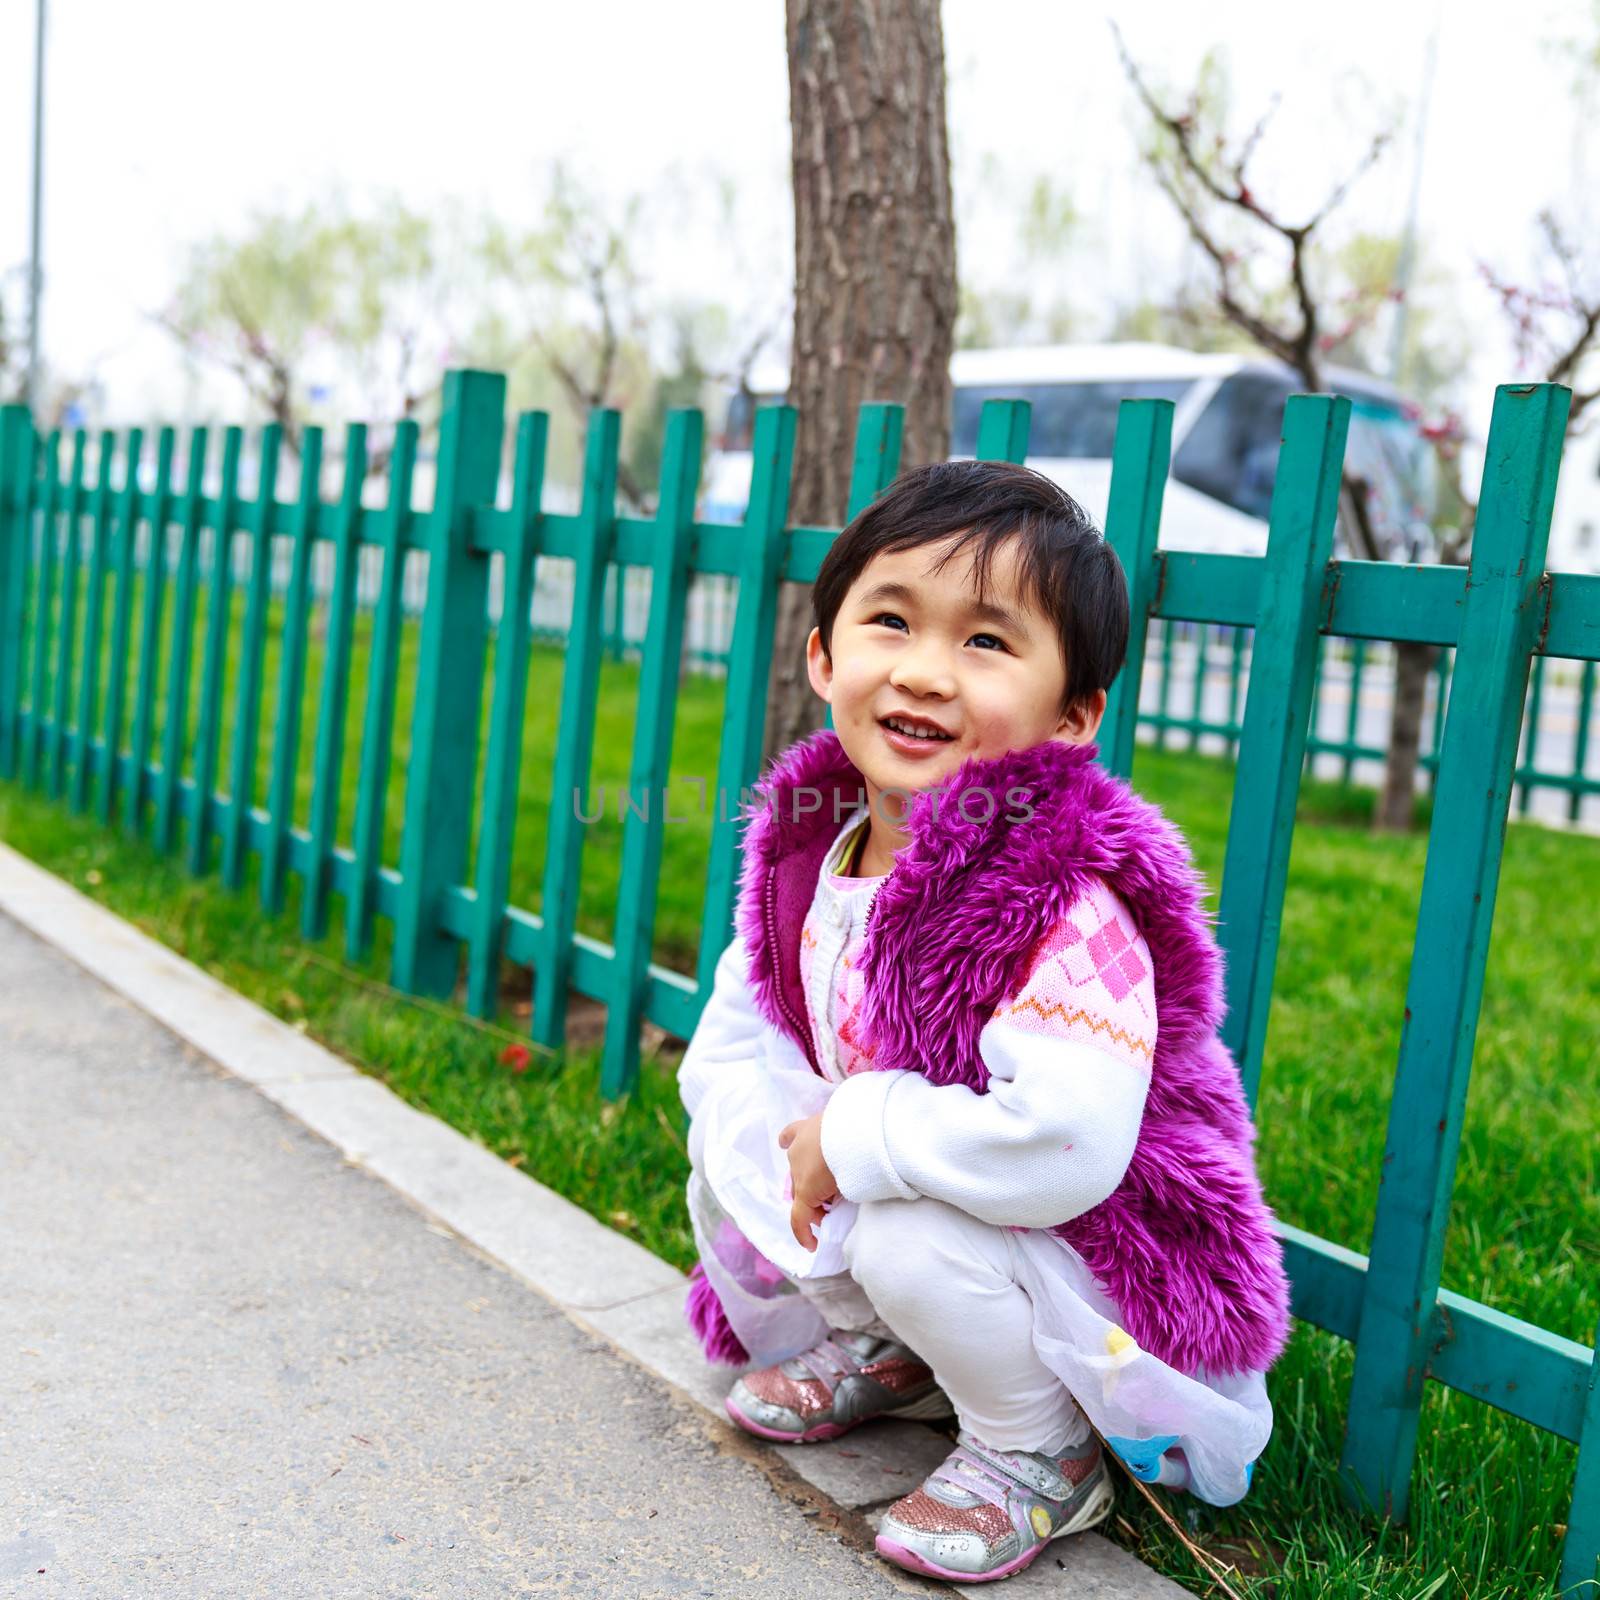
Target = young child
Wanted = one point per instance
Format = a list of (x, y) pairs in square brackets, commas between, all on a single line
[(963, 1135)]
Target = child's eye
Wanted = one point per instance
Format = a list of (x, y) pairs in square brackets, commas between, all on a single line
[(887, 616), (998, 641)]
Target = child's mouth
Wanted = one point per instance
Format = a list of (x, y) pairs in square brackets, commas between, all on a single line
[(907, 742)]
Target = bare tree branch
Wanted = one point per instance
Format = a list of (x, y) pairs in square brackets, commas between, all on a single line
[(1259, 329), (1577, 303), (1299, 346)]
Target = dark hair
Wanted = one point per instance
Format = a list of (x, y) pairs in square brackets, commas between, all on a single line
[(1067, 569)]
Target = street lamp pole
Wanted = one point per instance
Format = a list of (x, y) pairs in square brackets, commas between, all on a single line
[(1406, 262), (30, 394)]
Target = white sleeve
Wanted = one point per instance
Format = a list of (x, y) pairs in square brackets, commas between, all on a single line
[(742, 1083), (726, 1036), (1050, 1140), (726, 1040)]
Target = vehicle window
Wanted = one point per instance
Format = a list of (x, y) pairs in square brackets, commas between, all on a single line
[(1231, 452), (1386, 451), (738, 428), (739, 425), (1070, 420)]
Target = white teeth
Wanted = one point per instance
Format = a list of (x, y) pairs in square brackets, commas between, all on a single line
[(915, 733)]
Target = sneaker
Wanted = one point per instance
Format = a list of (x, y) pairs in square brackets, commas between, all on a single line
[(987, 1513), (831, 1388)]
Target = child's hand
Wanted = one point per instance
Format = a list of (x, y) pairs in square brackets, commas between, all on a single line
[(813, 1183)]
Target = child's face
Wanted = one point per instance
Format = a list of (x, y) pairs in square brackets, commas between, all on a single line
[(909, 640)]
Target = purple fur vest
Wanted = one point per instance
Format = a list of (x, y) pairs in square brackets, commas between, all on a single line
[(1184, 1245)]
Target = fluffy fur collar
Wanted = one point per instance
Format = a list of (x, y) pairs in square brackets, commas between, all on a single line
[(1184, 1245)]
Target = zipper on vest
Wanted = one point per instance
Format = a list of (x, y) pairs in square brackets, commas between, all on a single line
[(802, 1034)]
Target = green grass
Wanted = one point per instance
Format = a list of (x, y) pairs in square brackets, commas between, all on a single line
[(1490, 1494), (687, 845)]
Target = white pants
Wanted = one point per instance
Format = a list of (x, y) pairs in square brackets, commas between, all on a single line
[(944, 1283)]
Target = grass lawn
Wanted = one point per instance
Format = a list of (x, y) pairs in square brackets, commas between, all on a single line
[(1489, 1500)]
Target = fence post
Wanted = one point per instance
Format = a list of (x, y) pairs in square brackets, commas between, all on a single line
[(1352, 716), (644, 829), (93, 625), (155, 592), (208, 730), (1003, 428), (1501, 615), (1580, 1554), (175, 736), (124, 540), (879, 428), (1314, 719), (754, 623), (580, 693), (1272, 742), (66, 632), (503, 762), (291, 678), (1235, 673), (876, 463), (444, 744), (1139, 461), (1580, 745), (43, 610), (1441, 670), (616, 637), (1169, 639), (372, 781), (252, 647), (1197, 698), (1529, 763), (327, 760), (16, 485)]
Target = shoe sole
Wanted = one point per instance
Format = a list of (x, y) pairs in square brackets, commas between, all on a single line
[(1094, 1510), (929, 1408)]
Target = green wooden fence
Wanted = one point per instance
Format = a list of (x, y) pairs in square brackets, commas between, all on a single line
[(72, 549), (1194, 697)]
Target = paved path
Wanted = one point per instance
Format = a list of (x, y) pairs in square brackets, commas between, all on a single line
[(232, 1363)]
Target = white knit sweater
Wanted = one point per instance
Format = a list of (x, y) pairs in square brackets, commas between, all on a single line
[(1068, 1058)]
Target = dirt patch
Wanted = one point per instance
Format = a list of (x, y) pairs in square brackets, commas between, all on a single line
[(586, 1022)]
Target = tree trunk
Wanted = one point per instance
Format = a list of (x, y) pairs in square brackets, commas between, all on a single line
[(875, 272), (1397, 800), (1396, 808)]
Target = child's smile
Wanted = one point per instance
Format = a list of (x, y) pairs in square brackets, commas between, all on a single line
[(914, 735), (925, 674)]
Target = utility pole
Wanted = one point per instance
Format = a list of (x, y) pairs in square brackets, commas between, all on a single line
[(1406, 265), (30, 394)]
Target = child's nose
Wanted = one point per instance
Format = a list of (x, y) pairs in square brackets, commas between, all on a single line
[(924, 669)]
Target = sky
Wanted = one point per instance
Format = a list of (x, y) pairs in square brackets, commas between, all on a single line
[(170, 120)]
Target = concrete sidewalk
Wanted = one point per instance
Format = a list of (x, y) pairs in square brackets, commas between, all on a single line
[(237, 1362)]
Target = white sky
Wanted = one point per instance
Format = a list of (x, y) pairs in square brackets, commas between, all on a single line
[(170, 119)]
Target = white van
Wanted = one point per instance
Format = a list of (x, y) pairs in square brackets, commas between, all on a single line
[(1575, 525), (1227, 418)]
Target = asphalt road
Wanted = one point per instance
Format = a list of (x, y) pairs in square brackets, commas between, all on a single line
[(232, 1363)]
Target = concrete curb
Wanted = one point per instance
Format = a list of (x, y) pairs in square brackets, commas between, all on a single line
[(596, 1276)]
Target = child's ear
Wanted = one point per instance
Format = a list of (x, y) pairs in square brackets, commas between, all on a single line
[(1081, 722), (819, 669)]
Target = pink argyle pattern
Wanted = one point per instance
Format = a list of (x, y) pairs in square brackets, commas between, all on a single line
[(844, 1003), (848, 994), (1091, 979)]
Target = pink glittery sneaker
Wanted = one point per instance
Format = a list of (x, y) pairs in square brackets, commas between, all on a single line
[(833, 1387), (987, 1513)]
